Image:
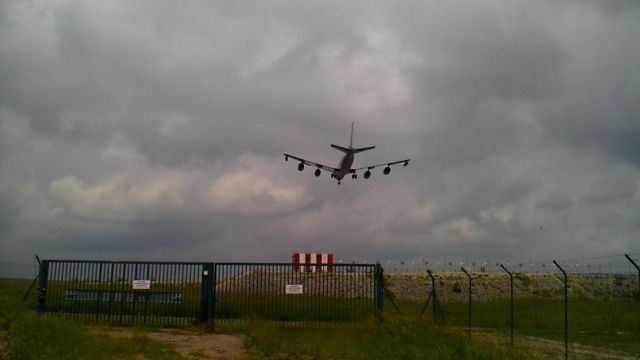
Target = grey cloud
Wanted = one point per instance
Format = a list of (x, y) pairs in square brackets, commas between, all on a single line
[(158, 129)]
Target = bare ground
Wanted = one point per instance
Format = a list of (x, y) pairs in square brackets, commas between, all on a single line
[(190, 345)]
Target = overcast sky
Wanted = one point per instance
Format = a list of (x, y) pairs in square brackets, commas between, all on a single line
[(155, 130)]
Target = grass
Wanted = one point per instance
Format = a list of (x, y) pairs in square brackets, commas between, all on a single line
[(33, 336), (395, 338), (407, 335), (612, 324)]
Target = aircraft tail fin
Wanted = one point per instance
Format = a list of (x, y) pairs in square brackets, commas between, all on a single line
[(350, 148), (351, 137)]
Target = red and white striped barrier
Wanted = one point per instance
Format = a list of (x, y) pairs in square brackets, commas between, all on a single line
[(312, 262)]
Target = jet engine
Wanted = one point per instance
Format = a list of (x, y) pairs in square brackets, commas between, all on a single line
[(317, 173), (367, 174), (387, 170), (300, 167)]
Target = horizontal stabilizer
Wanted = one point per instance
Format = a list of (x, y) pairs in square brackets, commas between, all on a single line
[(343, 149), (355, 151)]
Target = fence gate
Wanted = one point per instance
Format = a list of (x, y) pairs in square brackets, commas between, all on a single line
[(162, 293), (179, 293), (293, 292)]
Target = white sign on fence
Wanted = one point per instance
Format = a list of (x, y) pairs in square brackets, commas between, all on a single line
[(293, 289), (141, 284)]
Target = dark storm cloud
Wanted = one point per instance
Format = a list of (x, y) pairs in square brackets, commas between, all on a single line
[(158, 129)]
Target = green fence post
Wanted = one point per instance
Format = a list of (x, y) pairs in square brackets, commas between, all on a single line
[(42, 285), (379, 283), (637, 268), (207, 293), (566, 312), (511, 306), (469, 310)]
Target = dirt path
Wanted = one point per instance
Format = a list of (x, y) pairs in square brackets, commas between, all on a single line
[(190, 345)]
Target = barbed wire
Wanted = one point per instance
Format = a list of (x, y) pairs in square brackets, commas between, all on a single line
[(612, 263)]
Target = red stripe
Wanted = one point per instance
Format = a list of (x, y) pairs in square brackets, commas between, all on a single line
[(296, 262)]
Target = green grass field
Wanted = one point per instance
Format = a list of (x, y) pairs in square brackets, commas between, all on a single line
[(405, 335), (32, 336), (395, 338), (612, 324)]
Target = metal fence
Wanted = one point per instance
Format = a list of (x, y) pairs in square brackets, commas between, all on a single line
[(179, 293), (286, 292), (162, 293), (561, 306)]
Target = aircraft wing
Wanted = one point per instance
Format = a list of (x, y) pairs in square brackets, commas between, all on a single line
[(311, 163), (371, 167)]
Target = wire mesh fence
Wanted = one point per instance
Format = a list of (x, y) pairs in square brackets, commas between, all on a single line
[(567, 305)]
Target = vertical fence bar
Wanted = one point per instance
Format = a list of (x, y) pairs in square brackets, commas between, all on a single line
[(511, 298), (469, 309), (75, 269), (68, 283), (110, 304), (146, 294), (214, 294), (121, 280), (566, 312), (98, 290)]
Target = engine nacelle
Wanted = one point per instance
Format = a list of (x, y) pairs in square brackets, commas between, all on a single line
[(300, 167), (387, 170), (367, 174), (317, 173)]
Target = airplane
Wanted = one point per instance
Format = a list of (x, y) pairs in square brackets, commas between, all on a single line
[(345, 165)]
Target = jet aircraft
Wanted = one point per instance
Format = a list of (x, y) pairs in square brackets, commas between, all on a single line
[(345, 165)]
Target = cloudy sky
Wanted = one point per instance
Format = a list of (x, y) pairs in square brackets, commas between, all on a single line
[(155, 130)]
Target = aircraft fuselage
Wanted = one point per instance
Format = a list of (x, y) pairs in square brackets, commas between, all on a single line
[(345, 166)]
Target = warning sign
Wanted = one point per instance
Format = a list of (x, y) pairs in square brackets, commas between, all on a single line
[(141, 284), (293, 289)]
